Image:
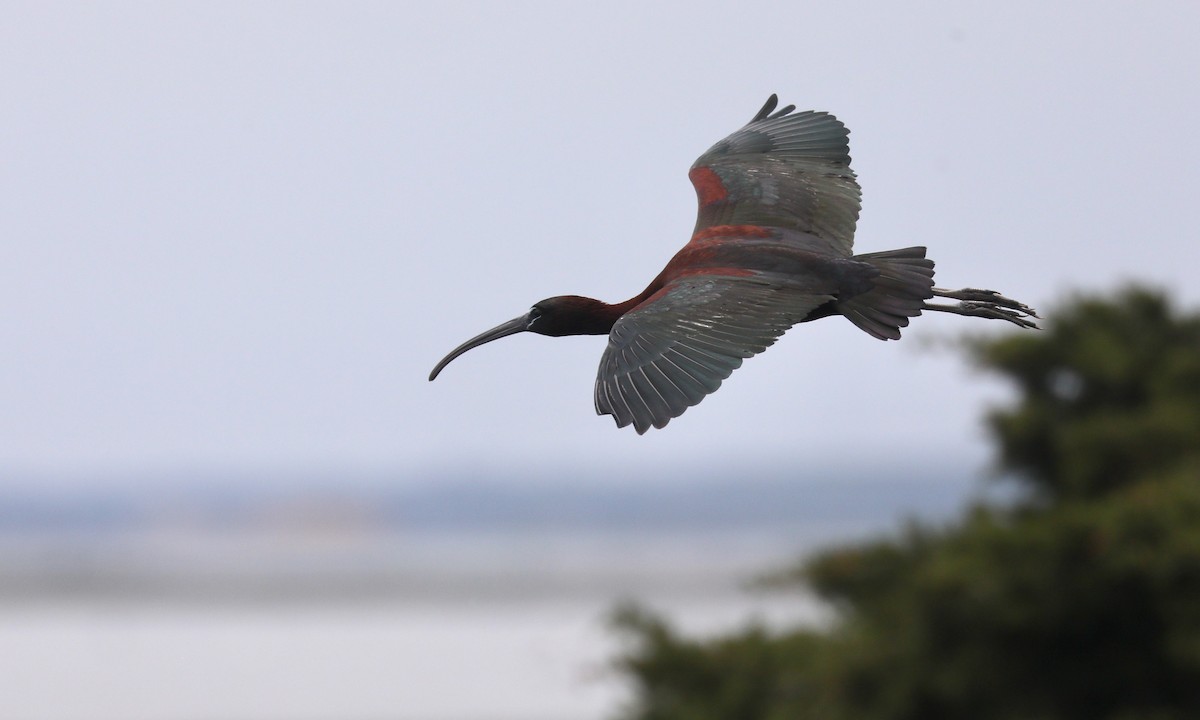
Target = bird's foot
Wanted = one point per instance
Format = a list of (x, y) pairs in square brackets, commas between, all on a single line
[(986, 310), (985, 297), (985, 304)]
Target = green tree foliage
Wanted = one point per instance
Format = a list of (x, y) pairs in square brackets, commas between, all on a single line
[(1109, 395), (1080, 602)]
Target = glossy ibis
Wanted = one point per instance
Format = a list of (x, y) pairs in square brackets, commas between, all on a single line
[(771, 248)]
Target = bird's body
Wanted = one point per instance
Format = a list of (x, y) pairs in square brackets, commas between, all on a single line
[(772, 247)]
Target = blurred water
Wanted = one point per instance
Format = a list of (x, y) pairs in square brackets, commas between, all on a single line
[(182, 625), (468, 601)]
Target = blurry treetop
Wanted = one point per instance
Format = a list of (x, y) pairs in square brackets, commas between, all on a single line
[(1110, 392)]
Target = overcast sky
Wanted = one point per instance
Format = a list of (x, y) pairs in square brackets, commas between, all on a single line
[(236, 237)]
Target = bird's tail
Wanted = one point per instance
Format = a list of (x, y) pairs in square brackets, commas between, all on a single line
[(905, 282)]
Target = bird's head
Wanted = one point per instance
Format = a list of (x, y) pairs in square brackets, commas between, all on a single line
[(556, 316)]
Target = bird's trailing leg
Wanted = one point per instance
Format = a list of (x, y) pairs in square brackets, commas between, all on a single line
[(986, 304)]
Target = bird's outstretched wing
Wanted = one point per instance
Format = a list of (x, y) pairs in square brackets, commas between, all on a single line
[(669, 352), (783, 169)]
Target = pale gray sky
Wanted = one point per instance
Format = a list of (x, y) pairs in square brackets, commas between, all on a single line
[(238, 236)]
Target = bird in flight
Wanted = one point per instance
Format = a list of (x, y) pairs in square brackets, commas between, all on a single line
[(772, 248)]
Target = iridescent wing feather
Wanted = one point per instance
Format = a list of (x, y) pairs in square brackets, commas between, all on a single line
[(783, 169), (671, 351)]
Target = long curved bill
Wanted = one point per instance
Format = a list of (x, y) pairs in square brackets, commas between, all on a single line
[(511, 327)]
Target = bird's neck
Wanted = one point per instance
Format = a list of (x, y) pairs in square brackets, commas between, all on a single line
[(596, 317), (588, 316)]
